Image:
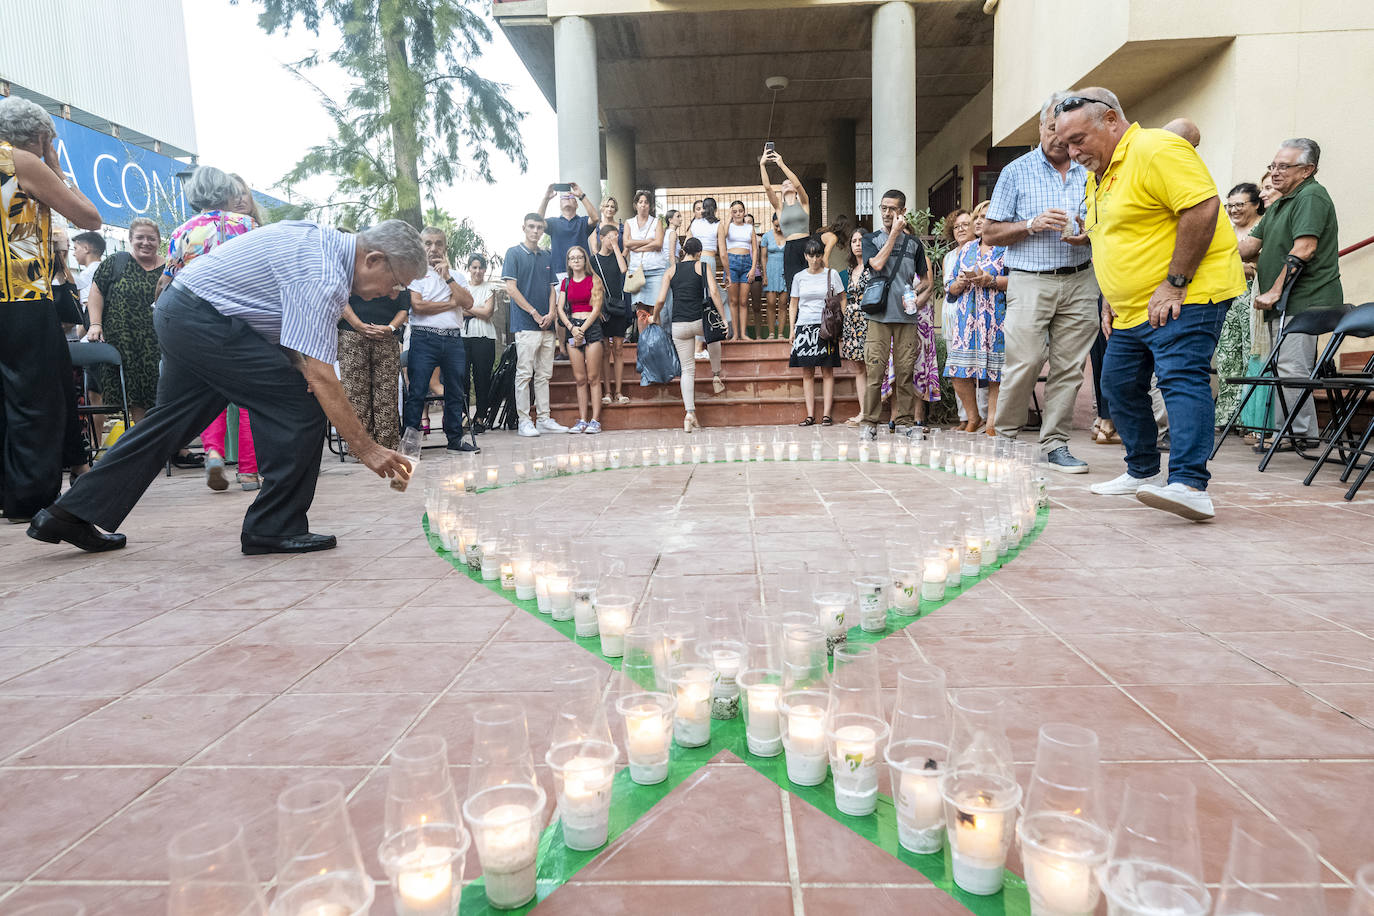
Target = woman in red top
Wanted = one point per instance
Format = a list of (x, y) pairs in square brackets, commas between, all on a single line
[(579, 309)]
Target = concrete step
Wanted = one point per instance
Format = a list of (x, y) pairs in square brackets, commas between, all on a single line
[(711, 411)]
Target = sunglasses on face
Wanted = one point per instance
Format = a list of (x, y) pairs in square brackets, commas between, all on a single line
[(1075, 102)]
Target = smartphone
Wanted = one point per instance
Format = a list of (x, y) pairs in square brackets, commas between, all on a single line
[(768, 147), (564, 188)]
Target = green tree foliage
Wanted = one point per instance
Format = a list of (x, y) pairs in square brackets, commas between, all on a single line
[(463, 238), (418, 115)]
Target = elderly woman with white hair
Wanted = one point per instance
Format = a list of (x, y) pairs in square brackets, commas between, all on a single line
[(32, 348), (214, 194), (254, 323)]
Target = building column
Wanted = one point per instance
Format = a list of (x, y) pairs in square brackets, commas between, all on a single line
[(894, 100), (620, 168), (579, 119), (812, 187), (839, 169)]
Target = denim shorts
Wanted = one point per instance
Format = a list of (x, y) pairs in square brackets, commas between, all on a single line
[(740, 265)]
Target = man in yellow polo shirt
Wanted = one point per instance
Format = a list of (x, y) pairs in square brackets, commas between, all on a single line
[(1168, 266)]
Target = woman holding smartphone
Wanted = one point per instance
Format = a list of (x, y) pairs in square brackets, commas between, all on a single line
[(977, 310), (794, 215), (580, 298)]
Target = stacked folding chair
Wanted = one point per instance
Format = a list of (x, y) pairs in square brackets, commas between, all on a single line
[(1347, 395)]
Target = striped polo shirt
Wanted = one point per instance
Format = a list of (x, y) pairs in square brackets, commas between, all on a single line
[(288, 281)]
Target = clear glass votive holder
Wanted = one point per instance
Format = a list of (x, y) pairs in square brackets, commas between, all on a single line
[(762, 689), (855, 742), (916, 767), (648, 734), (425, 867), (583, 773), (505, 823), (1060, 857), (980, 817), (613, 613), (692, 718), (802, 717)]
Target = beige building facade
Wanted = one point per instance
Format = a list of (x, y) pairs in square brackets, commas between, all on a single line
[(932, 96)]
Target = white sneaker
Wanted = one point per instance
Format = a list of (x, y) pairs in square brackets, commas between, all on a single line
[(1179, 499), (527, 428), (1126, 485), (550, 425)]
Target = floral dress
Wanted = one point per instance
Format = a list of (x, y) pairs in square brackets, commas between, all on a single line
[(926, 378), (201, 233), (976, 343), (855, 322)]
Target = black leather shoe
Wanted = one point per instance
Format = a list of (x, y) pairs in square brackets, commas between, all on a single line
[(254, 544), (464, 447), (50, 529)]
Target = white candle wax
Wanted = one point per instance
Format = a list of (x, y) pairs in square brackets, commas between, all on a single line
[(493, 476), (817, 450), (678, 452), (1059, 883), (899, 453), (973, 555), (904, 584), (560, 598), (710, 453), (933, 575), (918, 798), (696, 454), (954, 554), (764, 723), (806, 751), (959, 461), (561, 461), (864, 450), (936, 453), (793, 451), (647, 738), (520, 470), (978, 833), (779, 447), (884, 452), (646, 456), (541, 593), (491, 560), (692, 721), (584, 611), (507, 576), (507, 849), (855, 770), (574, 463), (916, 454), (980, 468), (615, 457), (662, 455), (323, 908), (537, 466), (585, 803), (760, 451), (612, 622), (424, 876), (524, 578), (842, 451)]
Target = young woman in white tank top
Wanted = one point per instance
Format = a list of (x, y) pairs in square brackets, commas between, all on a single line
[(736, 238)]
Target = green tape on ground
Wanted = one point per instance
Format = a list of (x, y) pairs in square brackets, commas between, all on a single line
[(629, 801)]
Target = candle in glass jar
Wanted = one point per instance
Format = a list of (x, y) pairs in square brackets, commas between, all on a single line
[(864, 450), (817, 450), (614, 456), (973, 554), (760, 451), (574, 463), (710, 453), (491, 560), (524, 578), (1062, 884), (678, 452), (884, 452), (919, 800), (561, 462), (646, 736), (509, 842), (807, 757), (899, 453), (662, 455), (793, 451), (978, 832), (692, 720), (779, 447), (980, 468), (493, 475), (729, 451), (537, 466), (424, 876), (612, 620), (696, 453), (584, 804), (560, 598), (765, 726), (904, 586), (521, 472), (842, 451), (855, 771), (936, 456), (933, 575), (584, 610)]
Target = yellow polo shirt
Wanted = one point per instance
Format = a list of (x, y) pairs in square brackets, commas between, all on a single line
[(1133, 223)]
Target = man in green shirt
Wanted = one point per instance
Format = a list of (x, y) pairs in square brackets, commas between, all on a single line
[(1299, 225)]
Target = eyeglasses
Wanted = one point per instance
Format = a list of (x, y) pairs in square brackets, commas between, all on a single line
[(1240, 206), (885, 209), (1281, 167), (1072, 103)]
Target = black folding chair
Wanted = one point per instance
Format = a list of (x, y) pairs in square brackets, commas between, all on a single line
[(90, 356), (1313, 323), (1347, 394)]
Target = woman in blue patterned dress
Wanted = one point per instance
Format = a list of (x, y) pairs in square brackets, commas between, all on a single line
[(979, 307)]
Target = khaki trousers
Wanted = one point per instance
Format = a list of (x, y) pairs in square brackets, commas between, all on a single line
[(1046, 312), (903, 340), (533, 361)]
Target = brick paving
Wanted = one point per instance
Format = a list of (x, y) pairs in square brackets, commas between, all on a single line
[(177, 680)]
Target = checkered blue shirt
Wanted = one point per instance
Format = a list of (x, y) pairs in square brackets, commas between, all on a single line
[(288, 281), (1028, 187)]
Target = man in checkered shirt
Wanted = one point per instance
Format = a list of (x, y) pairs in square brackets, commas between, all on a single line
[(1036, 212)]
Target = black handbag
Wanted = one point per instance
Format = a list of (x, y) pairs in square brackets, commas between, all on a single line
[(832, 313), (874, 301), (712, 324)]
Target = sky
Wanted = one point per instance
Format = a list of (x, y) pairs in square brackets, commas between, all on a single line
[(255, 118)]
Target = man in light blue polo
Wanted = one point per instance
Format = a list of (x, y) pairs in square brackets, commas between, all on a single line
[(1036, 211)]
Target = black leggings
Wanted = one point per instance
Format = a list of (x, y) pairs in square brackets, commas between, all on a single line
[(481, 353)]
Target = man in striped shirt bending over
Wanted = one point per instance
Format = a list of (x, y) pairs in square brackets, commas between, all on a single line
[(253, 323)]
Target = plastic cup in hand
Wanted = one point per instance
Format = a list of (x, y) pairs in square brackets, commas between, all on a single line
[(410, 450), (210, 873)]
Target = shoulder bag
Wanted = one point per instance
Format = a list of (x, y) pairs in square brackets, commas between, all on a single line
[(712, 324), (874, 301), (609, 309), (832, 313)]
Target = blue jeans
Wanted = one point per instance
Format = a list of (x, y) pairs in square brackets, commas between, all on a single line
[(448, 354), (1180, 354)]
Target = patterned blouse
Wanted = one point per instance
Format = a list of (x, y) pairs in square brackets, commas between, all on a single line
[(25, 227), (202, 232)]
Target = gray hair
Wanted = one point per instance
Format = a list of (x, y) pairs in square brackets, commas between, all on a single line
[(434, 230), (210, 189), (1309, 152), (399, 241), (23, 123), (1047, 110)]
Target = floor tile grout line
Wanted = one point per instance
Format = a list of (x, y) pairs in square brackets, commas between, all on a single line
[(790, 844)]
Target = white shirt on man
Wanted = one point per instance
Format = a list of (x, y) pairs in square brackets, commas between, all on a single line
[(433, 288), (83, 278)]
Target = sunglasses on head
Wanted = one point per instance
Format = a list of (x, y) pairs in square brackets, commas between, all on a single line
[(1073, 103)]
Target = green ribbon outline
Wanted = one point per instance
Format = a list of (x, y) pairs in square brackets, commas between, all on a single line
[(630, 801)]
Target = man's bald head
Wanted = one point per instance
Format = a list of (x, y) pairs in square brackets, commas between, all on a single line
[(1186, 129)]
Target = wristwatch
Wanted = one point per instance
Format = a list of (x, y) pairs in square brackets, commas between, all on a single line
[(1029, 230), (1178, 281)]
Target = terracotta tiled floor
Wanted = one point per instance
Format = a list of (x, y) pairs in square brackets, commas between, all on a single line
[(177, 680)]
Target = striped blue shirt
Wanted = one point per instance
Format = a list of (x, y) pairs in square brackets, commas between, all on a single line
[(1027, 187), (288, 281)]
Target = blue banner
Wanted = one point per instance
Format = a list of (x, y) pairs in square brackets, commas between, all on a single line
[(126, 181)]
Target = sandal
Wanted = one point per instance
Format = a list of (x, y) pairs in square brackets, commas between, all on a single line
[(809, 421), (621, 399), (826, 421)]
